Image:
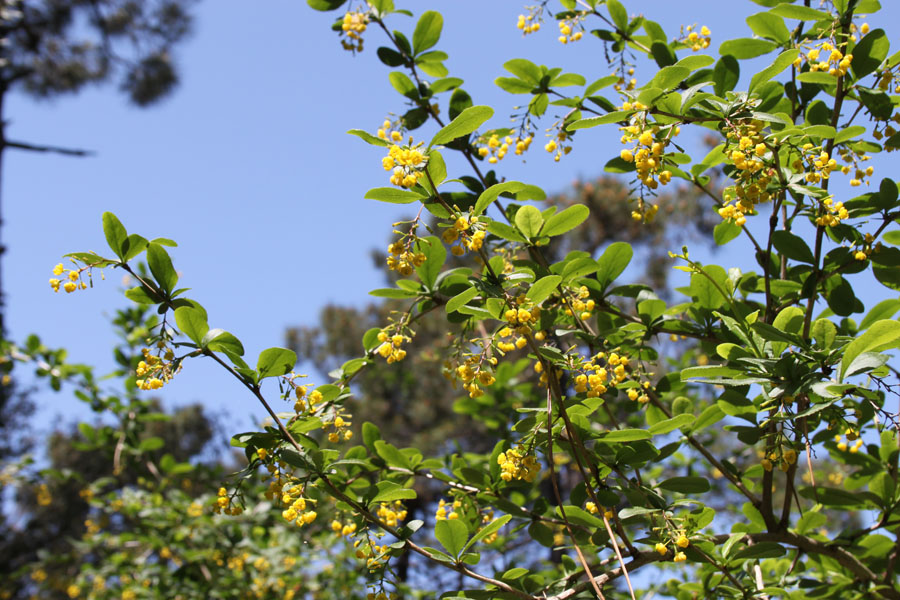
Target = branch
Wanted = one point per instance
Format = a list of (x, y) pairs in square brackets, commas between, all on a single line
[(53, 149)]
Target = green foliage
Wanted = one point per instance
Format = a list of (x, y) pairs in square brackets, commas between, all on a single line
[(614, 422)]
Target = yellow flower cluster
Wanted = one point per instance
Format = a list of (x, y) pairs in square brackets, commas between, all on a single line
[(601, 373), (522, 314), (155, 370), (353, 25), (467, 232), (390, 349), (818, 164), (649, 148), (407, 162), (852, 157), (787, 458), (557, 145), (570, 30), (73, 278), (43, 495), (341, 429), (517, 464), (852, 436), (528, 24), (474, 373), (223, 504), (447, 510), (518, 343), (306, 400), (392, 513), (343, 529), (494, 148), (579, 305), (697, 40), (866, 249), (834, 213), (296, 510), (376, 556), (594, 509), (403, 258), (748, 152), (825, 57)]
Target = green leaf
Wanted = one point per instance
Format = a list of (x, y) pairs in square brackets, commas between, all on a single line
[(883, 310), (744, 48), (275, 362), (465, 123), (613, 262), (392, 293), (848, 133), (388, 491), (769, 26), (668, 77), (142, 296), (403, 84), (707, 293), (710, 415), (487, 531), (881, 335), (452, 534), (219, 340), (726, 231), (369, 138), (161, 267), (670, 425), (760, 550), (462, 298), (115, 234), (792, 247), (869, 53), (524, 69), (151, 443), (192, 323), (685, 485), (625, 435), (435, 255), (325, 5), (392, 195), (428, 31), (782, 62), (801, 13), (618, 14), (566, 220), (543, 287), (136, 244), (493, 192), (613, 117), (529, 221)]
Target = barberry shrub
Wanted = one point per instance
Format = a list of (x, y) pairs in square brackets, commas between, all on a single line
[(740, 442)]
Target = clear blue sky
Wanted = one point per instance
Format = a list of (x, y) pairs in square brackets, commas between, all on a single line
[(249, 168)]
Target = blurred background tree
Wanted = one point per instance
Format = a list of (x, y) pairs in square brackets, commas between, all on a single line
[(49, 48)]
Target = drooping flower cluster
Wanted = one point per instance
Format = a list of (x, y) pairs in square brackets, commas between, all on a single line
[(832, 213), (392, 513), (447, 510), (516, 463), (696, 39), (156, 370), (73, 280), (528, 24), (353, 26), (475, 372), (581, 304), (495, 145), (468, 232), (297, 511), (390, 348), (749, 153), (601, 373), (648, 147), (824, 57), (570, 30), (852, 436), (341, 428), (224, 504), (402, 256), (343, 529), (407, 162)]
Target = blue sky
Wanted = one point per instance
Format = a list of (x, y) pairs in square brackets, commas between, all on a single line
[(249, 168)]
